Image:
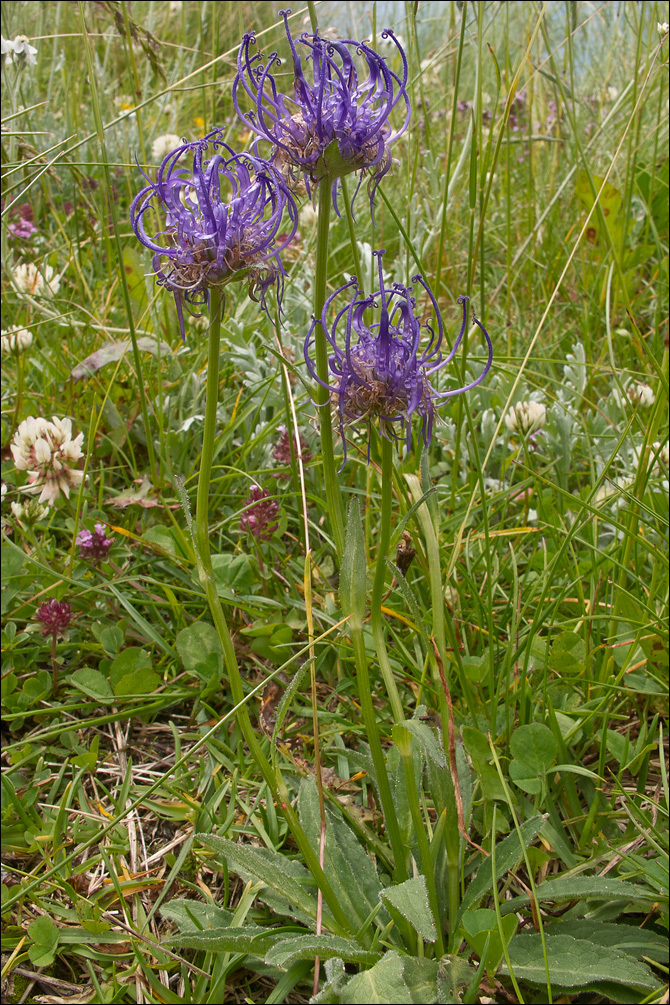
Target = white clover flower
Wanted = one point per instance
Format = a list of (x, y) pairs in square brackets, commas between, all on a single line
[(28, 513), (36, 282), (175, 6), (15, 340), (642, 395), (613, 488), (662, 454), (47, 451), (163, 145), (612, 92), (662, 27), (526, 417), (19, 51)]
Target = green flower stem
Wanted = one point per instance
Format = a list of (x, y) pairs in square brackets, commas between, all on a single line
[(273, 780), (403, 741), (452, 840), (370, 723), (378, 585), (333, 497), (356, 258)]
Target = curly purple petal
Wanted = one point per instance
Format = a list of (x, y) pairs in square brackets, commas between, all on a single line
[(380, 372), (221, 214), (335, 123)]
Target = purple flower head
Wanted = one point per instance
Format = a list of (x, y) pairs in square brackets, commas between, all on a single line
[(282, 450), (94, 546), (261, 519), (54, 616), (380, 372), (24, 229), (335, 123), (220, 214)]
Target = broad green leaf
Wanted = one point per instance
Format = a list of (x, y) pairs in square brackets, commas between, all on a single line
[(227, 940), (92, 683), (576, 962), (195, 643), (233, 574), (534, 744), (481, 928), (336, 978), (508, 853), (568, 652), (352, 574), (269, 868), (454, 975), (142, 681), (127, 662), (582, 888), (628, 939), (194, 916), (350, 870), (45, 936), (411, 900), (478, 748), (285, 952), (395, 980)]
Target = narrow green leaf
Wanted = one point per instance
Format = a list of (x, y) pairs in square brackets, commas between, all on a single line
[(411, 900), (305, 947), (352, 575), (575, 962)]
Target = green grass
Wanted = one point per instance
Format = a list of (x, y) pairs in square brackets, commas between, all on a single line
[(122, 784)]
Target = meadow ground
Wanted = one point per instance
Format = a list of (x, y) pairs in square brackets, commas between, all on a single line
[(409, 721)]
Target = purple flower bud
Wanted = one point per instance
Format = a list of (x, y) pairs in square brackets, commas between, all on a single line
[(219, 219), (381, 373), (54, 616), (335, 123), (261, 519), (94, 546)]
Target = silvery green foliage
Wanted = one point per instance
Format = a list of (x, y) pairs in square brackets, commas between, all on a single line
[(575, 374)]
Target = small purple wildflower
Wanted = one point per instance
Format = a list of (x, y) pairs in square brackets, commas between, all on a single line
[(54, 616), (222, 217), (282, 451), (24, 229), (94, 546), (336, 124), (381, 373), (261, 519)]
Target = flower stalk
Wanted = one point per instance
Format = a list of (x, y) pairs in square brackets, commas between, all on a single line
[(273, 779), (333, 494)]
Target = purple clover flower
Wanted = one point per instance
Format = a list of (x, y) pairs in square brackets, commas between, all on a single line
[(381, 373), (260, 520), (333, 125), (282, 450), (221, 215), (54, 616), (94, 545)]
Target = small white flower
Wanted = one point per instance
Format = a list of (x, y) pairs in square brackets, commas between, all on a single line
[(19, 51), (175, 6), (47, 451), (15, 340), (29, 513), (642, 395), (612, 92), (662, 27), (162, 145), (36, 282), (526, 417)]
